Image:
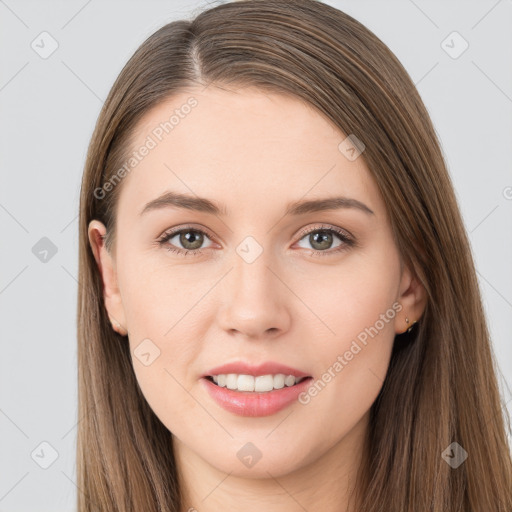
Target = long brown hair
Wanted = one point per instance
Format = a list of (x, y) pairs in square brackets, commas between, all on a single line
[(441, 386)]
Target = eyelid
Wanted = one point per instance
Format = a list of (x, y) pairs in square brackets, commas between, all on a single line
[(328, 227), (193, 227)]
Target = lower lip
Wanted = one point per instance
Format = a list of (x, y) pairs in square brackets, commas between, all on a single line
[(246, 403)]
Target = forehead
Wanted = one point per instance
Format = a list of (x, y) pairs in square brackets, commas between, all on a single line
[(245, 147)]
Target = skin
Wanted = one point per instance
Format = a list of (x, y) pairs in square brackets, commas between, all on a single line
[(255, 152)]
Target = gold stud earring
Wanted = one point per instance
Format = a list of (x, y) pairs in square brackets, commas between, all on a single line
[(117, 327)]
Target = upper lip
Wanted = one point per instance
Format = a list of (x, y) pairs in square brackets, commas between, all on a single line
[(266, 368)]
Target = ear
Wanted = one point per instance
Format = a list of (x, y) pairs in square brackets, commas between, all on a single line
[(413, 298), (106, 266)]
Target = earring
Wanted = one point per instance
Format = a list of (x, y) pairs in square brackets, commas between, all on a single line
[(117, 327), (411, 326)]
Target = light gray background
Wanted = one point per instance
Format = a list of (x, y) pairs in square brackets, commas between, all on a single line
[(48, 111)]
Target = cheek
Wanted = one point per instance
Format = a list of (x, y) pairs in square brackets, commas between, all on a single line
[(357, 299), (351, 360), (158, 297), (164, 338), (163, 358)]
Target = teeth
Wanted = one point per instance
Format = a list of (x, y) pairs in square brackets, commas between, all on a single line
[(246, 383), (290, 380), (261, 383), (231, 381), (279, 381)]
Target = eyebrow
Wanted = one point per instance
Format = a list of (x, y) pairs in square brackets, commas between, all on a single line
[(301, 207)]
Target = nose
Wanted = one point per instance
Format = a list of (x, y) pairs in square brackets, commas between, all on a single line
[(255, 302)]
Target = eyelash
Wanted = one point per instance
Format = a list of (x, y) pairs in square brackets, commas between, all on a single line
[(347, 240)]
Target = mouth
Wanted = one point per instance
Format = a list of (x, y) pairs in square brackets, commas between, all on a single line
[(255, 395), (255, 384)]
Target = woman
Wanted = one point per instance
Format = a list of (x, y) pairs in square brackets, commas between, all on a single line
[(278, 306)]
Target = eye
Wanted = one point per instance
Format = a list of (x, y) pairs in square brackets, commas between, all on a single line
[(191, 240), (322, 237)]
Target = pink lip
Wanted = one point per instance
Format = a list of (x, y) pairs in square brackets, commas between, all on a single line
[(246, 403), (267, 368)]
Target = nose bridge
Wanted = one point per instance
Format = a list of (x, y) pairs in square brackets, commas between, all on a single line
[(252, 281), (251, 298)]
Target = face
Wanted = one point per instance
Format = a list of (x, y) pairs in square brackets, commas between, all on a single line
[(269, 288)]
